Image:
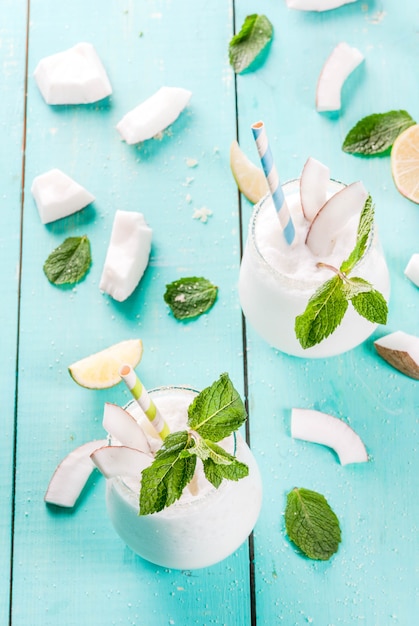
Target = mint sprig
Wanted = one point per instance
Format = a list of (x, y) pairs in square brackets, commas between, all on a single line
[(69, 263), (215, 413), (328, 305), (190, 297), (376, 133), (312, 524), (255, 34)]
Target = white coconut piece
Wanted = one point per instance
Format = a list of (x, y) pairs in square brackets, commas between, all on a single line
[(336, 69), (314, 181), (127, 255), (74, 76), (317, 5), (333, 217), (57, 195), (154, 114), (330, 431), (71, 475), (123, 427), (401, 351), (114, 461), (412, 269)]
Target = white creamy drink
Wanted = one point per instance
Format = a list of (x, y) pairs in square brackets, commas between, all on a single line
[(277, 280), (206, 524)]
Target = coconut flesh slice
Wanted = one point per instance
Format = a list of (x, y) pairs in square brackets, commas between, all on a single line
[(333, 217), (412, 269), (74, 76), (127, 255), (153, 115), (114, 461), (330, 431), (336, 69), (71, 475), (314, 181), (317, 5), (122, 426), (57, 195), (401, 351)]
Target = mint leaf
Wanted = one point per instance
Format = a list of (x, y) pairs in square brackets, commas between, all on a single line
[(218, 464), (365, 225), (163, 482), (69, 263), (323, 314), (217, 411), (255, 33), (190, 297), (311, 524), (376, 133), (371, 304)]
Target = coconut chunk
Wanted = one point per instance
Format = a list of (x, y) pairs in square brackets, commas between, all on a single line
[(57, 195), (336, 69), (71, 475), (400, 350), (154, 114), (114, 461), (412, 269), (314, 181), (123, 427), (74, 76), (127, 255), (330, 431)]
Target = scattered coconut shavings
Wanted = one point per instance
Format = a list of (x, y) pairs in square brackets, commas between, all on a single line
[(188, 181), (412, 269), (191, 162), (188, 198), (330, 431), (401, 351), (202, 214)]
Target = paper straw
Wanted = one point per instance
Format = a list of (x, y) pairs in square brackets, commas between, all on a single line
[(140, 394), (274, 184)]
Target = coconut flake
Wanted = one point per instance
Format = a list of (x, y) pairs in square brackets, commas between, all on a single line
[(127, 255), (114, 461), (401, 351), (336, 69), (412, 269), (314, 181), (71, 475), (154, 114), (57, 195), (74, 76), (330, 431), (123, 427)]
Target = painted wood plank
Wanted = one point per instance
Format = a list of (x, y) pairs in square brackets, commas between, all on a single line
[(373, 578), (69, 566), (12, 63)]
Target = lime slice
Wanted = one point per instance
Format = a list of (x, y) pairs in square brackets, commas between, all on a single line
[(405, 163), (250, 179), (101, 370)]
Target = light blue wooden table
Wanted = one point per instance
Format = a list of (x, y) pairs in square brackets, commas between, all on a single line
[(68, 567)]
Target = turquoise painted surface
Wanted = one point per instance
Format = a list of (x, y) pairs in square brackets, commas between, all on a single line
[(12, 77), (68, 566)]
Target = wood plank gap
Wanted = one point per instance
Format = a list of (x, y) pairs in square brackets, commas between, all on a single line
[(22, 202)]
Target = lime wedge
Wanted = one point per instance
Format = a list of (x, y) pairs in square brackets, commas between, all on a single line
[(101, 370), (250, 179)]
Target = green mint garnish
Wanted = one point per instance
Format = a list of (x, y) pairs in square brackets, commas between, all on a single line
[(69, 263), (190, 297), (255, 34), (376, 133), (311, 524), (214, 414), (327, 307)]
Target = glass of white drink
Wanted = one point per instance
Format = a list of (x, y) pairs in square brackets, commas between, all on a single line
[(206, 524), (277, 280)]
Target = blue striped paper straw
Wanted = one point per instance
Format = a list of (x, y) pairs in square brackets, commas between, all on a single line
[(274, 184)]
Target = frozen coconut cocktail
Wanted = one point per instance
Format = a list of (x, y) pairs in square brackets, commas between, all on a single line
[(313, 279), (190, 497)]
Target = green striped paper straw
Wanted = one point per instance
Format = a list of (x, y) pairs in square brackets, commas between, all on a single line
[(140, 394)]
